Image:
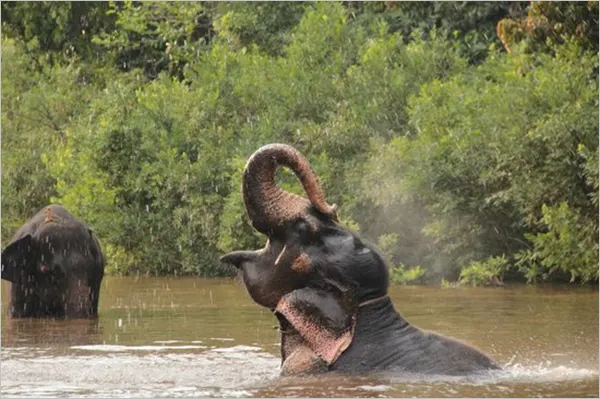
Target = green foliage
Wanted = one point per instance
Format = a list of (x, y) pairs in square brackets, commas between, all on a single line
[(490, 147), (550, 23), (399, 274), (155, 36), (264, 24), (470, 25), (570, 244), (55, 30), (151, 185), (434, 143), (38, 107), (489, 272)]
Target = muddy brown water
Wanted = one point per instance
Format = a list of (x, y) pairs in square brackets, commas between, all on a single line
[(191, 337)]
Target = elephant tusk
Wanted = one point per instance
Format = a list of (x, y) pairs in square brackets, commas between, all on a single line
[(280, 255)]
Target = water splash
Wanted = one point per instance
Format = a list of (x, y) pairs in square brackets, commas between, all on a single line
[(128, 371), (545, 372), (127, 348)]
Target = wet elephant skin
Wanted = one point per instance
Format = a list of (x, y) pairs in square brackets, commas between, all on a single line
[(55, 265), (328, 287)]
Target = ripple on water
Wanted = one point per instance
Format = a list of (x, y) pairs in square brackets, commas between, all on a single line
[(128, 371), (238, 348), (117, 372), (149, 391), (544, 372), (127, 348), (148, 355), (536, 381)]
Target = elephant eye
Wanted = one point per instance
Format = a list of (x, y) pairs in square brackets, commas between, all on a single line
[(303, 231), (302, 227)]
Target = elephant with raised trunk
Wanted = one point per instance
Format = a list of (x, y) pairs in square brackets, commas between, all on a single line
[(55, 265), (328, 287)]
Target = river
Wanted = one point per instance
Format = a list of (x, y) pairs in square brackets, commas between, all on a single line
[(192, 337)]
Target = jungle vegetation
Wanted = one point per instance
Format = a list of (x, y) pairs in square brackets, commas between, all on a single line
[(460, 137)]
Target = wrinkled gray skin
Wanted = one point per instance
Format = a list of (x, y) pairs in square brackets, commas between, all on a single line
[(328, 287), (55, 265)]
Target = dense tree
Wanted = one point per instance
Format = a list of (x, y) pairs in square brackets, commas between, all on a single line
[(57, 28), (494, 151), (549, 23), (470, 25), (461, 153)]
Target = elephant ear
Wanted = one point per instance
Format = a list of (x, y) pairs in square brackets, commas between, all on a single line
[(16, 256), (321, 319), (96, 249)]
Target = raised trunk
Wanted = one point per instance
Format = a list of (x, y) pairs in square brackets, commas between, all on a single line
[(268, 205)]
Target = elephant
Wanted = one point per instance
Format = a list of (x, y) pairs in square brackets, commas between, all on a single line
[(328, 287), (55, 265)]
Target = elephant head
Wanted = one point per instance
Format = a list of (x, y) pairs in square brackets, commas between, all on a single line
[(36, 271), (313, 273), (55, 265)]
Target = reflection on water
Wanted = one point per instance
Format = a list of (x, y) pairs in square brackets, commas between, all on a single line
[(189, 337), (36, 332)]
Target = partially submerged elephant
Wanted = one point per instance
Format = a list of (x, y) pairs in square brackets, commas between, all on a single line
[(55, 265), (327, 287)]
